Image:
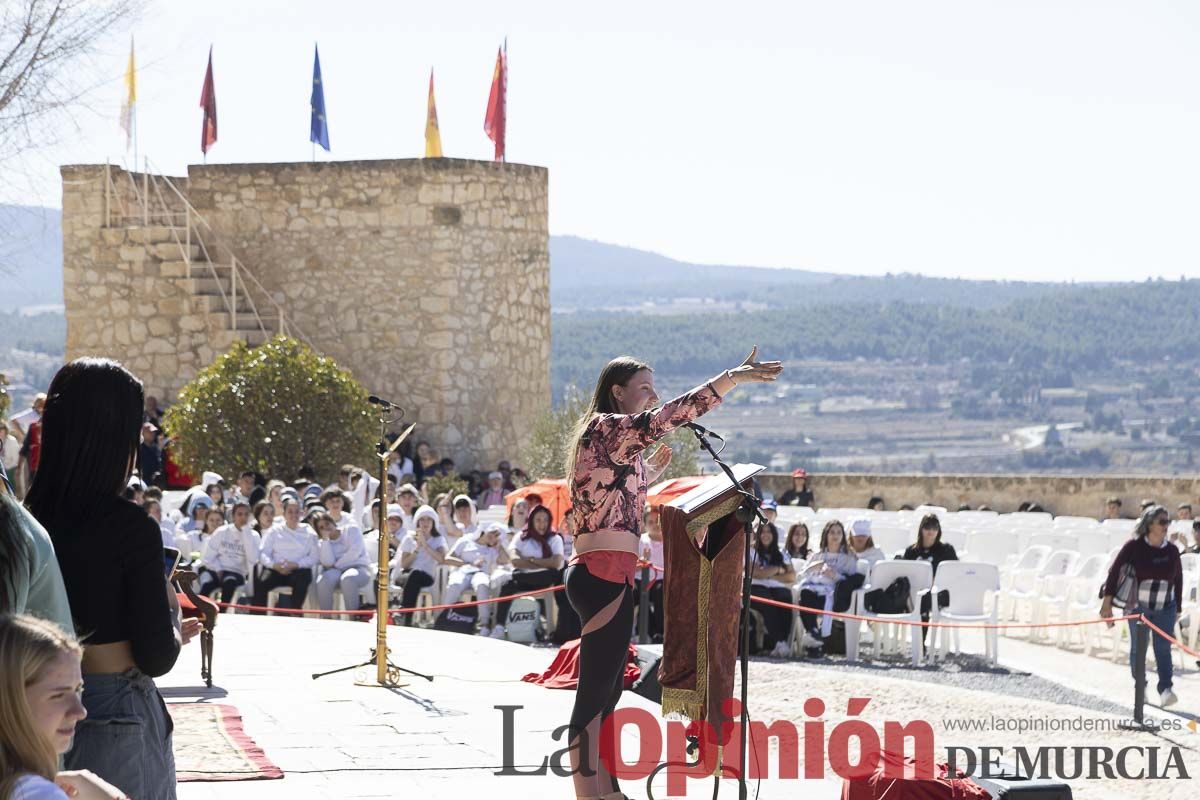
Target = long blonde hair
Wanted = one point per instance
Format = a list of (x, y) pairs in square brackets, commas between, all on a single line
[(27, 647), (615, 373)]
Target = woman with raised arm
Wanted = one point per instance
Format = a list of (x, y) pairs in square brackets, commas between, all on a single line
[(608, 476)]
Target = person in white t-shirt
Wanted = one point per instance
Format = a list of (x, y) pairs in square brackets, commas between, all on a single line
[(537, 558), (420, 553), (337, 504), (230, 554), (191, 543), (165, 525), (652, 551), (474, 560), (344, 562), (289, 555), (862, 546), (772, 576), (40, 664), (10, 449)]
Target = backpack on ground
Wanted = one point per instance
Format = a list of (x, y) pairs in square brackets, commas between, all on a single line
[(458, 620), (522, 624)]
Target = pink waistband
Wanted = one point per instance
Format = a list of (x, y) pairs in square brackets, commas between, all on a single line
[(620, 541)]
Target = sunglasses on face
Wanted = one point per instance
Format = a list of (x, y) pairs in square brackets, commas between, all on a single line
[(1162, 521)]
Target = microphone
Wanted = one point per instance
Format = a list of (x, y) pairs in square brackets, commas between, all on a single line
[(386, 405), (703, 431)]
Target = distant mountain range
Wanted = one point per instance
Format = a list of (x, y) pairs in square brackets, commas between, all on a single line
[(584, 275)]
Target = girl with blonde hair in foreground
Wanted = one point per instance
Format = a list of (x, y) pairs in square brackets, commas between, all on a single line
[(40, 687)]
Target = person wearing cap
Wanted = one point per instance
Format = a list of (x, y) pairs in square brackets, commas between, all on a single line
[(1183, 511), (494, 494), (150, 460), (862, 546), (409, 499), (289, 555), (420, 553), (474, 560), (799, 494), (194, 510), (464, 522), (770, 510)]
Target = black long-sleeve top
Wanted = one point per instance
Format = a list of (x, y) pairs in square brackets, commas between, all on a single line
[(942, 551), (112, 565)]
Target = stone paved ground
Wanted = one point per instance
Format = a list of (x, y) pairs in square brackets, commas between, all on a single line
[(442, 739)]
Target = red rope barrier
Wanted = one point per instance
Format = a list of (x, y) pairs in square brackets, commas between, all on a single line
[(982, 626), (1170, 638), (392, 610)]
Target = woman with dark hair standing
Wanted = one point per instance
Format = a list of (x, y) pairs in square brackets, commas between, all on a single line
[(608, 475), (110, 552), (1155, 591)]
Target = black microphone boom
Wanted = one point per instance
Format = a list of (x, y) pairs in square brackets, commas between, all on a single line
[(698, 428)]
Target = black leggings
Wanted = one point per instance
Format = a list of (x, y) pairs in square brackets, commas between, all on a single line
[(603, 652), (415, 581), (777, 621)]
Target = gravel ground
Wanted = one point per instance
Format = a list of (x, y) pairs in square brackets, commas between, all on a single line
[(966, 688)]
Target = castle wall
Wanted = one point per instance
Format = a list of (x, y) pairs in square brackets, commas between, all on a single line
[(428, 279)]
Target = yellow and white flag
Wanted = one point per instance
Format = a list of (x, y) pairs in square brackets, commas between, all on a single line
[(127, 107), (433, 136)]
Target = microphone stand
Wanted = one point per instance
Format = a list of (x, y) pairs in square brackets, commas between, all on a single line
[(387, 674), (748, 510)]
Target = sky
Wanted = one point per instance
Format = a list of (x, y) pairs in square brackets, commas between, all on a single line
[(1043, 140)]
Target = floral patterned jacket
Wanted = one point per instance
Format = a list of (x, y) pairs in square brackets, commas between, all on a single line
[(608, 487)]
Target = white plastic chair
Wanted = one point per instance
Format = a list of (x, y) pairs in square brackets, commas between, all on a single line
[(1028, 586), (1056, 541), (989, 547), (920, 580), (1052, 604), (968, 583)]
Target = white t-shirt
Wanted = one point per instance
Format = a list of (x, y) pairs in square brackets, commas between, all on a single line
[(423, 561), (773, 583), (35, 787), (524, 547), (469, 550), (232, 550), (656, 551)]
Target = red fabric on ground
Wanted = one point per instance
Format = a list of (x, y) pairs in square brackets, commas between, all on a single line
[(563, 672), (941, 787)]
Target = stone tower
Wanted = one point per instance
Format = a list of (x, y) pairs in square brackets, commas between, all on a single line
[(428, 278)]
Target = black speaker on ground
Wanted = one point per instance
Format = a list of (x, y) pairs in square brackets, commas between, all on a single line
[(647, 685), (1017, 788)]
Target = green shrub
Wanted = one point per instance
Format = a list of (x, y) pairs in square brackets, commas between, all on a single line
[(273, 409)]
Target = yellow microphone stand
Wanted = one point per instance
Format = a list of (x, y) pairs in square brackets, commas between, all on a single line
[(387, 674)]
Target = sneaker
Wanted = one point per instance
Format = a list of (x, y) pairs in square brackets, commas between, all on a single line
[(1167, 698), (782, 650), (485, 631), (498, 632), (810, 641)]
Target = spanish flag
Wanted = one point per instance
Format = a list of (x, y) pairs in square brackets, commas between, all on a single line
[(127, 106), (495, 120), (433, 136)]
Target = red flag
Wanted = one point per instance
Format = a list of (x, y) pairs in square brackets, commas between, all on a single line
[(208, 101), (497, 107)]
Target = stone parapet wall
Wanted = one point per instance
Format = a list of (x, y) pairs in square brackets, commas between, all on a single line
[(1061, 495)]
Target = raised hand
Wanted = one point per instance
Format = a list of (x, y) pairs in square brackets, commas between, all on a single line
[(754, 371), (659, 459)]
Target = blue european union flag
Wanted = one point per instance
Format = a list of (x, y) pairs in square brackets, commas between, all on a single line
[(319, 129)]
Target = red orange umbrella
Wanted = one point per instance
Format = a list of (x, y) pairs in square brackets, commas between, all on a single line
[(555, 496), (664, 492)]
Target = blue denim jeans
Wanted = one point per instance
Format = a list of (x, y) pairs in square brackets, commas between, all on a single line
[(126, 738), (1164, 618)]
